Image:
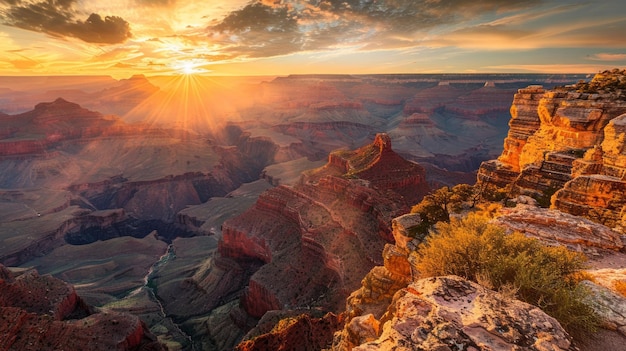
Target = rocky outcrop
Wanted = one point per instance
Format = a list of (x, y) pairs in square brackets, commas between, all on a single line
[(43, 313), (292, 330), (382, 282), (556, 227), (452, 313), (319, 237), (610, 306), (568, 142), (383, 168)]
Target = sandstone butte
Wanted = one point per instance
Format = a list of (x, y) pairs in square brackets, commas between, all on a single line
[(316, 240), (45, 313), (567, 146)]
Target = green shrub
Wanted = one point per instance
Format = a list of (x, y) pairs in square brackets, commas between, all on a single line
[(540, 275), (441, 203)]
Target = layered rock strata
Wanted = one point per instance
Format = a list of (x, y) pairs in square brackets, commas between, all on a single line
[(319, 237), (366, 306), (568, 142), (44, 313), (292, 330), (556, 227)]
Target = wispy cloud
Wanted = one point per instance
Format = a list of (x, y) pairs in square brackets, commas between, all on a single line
[(608, 57), (549, 68)]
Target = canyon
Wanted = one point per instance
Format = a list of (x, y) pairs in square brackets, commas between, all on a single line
[(199, 218)]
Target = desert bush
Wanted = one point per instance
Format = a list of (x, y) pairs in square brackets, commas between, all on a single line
[(540, 275)]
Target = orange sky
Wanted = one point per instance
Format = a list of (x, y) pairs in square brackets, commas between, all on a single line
[(277, 37)]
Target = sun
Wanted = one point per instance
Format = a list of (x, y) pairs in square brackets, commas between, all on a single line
[(189, 67)]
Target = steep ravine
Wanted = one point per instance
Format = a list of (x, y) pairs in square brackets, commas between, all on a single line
[(150, 287)]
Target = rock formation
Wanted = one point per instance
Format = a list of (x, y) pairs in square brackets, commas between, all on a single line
[(610, 306), (44, 313), (291, 330), (445, 313), (393, 310), (568, 142), (366, 305), (556, 227), (317, 239)]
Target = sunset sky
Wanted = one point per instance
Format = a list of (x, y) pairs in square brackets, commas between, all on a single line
[(278, 37)]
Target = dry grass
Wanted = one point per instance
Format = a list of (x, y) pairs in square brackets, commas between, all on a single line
[(513, 264), (620, 287)]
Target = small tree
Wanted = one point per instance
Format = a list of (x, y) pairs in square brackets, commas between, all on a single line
[(441, 203)]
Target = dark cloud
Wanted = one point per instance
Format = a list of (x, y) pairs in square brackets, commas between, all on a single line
[(259, 30), (59, 18), (259, 17), (274, 27)]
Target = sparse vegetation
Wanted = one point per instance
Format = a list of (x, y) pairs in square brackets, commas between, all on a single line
[(607, 81), (514, 264), (545, 198), (441, 203), (620, 286)]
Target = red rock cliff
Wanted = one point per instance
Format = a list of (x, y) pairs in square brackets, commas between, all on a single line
[(568, 142), (319, 238)]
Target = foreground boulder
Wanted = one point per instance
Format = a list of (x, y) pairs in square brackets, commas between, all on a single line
[(451, 313)]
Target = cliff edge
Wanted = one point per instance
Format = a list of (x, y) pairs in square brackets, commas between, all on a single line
[(566, 147)]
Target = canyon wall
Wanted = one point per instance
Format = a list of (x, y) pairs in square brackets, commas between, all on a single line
[(565, 147), (317, 239)]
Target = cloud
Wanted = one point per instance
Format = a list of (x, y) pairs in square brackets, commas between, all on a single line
[(277, 27), (487, 37), (59, 18), (156, 3), (259, 30), (24, 64), (608, 57)]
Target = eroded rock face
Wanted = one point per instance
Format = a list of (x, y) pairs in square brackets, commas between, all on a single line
[(568, 142), (44, 313), (382, 282), (320, 237), (449, 312), (367, 305)]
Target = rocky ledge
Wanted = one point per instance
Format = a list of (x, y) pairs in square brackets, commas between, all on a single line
[(556, 227)]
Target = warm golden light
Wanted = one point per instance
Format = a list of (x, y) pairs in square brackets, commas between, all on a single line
[(189, 67)]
